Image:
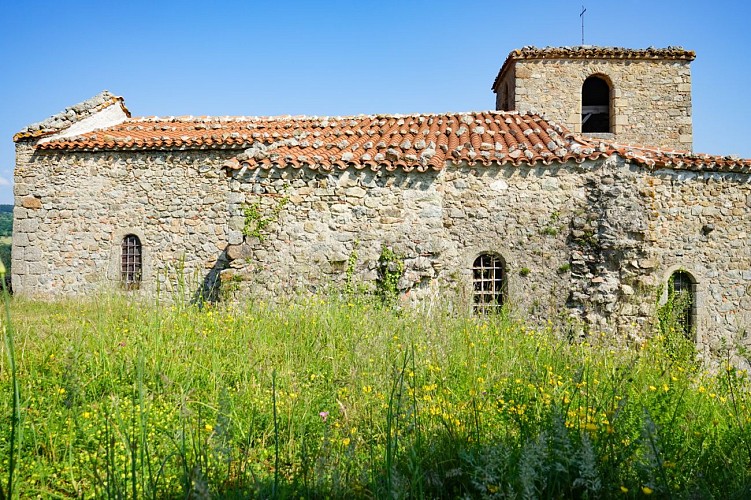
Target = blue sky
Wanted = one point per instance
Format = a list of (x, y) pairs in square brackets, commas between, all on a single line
[(341, 58)]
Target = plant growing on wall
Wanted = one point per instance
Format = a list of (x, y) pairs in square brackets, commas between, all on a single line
[(552, 228), (256, 221), (672, 322), (390, 269), (351, 268)]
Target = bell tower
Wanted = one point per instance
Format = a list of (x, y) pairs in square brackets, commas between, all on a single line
[(630, 96)]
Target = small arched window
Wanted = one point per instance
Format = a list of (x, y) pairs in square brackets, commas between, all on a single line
[(595, 105), (488, 280), (682, 301), (131, 262)]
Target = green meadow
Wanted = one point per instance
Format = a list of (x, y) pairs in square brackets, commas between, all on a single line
[(345, 398)]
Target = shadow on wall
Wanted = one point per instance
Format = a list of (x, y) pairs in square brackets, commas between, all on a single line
[(210, 287)]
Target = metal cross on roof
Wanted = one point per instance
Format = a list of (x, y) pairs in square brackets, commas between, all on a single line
[(582, 18)]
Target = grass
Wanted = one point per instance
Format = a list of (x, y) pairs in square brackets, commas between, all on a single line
[(319, 398)]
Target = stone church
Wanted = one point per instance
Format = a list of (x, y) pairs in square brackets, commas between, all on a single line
[(578, 198)]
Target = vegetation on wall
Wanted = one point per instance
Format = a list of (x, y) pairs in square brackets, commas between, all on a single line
[(257, 221), (390, 270), (672, 321), (349, 284)]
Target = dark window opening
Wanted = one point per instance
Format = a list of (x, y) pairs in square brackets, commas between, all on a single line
[(681, 294), (131, 262), (595, 105), (505, 99), (488, 279)]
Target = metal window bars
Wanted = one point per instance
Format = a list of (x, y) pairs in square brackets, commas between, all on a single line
[(487, 279), (131, 262), (682, 289)]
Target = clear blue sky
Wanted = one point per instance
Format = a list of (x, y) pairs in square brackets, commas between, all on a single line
[(341, 57)]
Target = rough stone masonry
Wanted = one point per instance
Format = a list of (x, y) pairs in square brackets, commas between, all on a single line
[(589, 230)]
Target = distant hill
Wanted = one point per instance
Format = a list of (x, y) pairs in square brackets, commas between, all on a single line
[(6, 220), (6, 230)]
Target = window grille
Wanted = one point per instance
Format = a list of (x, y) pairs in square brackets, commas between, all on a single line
[(131, 262), (681, 290), (488, 280)]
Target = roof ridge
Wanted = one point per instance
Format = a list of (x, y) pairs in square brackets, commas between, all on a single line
[(238, 118), (71, 115)]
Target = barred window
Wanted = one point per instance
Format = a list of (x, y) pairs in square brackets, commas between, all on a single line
[(681, 293), (488, 278), (131, 262)]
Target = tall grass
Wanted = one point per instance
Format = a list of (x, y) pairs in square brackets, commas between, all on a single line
[(320, 398), (9, 344)]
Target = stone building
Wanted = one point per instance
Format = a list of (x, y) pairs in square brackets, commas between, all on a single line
[(559, 211), (632, 96)]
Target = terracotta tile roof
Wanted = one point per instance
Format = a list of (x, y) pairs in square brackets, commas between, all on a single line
[(71, 115), (409, 142), (421, 141), (594, 52), (680, 160)]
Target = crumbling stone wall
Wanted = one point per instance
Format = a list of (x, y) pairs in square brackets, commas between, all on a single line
[(609, 260), (651, 99)]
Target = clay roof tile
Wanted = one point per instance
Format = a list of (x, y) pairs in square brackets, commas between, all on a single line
[(407, 142)]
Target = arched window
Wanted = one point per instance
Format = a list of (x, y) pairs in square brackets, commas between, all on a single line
[(131, 262), (488, 279), (682, 301), (595, 105)]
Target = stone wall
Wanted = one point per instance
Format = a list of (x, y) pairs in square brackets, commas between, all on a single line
[(72, 211), (437, 222), (587, 245), (590, 244), (650, 99), (701, 223)]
